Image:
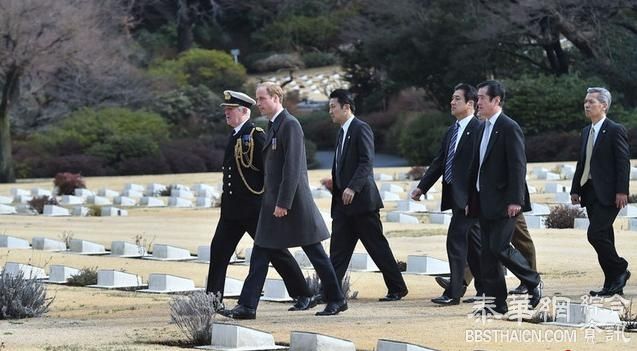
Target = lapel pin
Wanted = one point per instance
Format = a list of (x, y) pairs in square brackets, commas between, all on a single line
[(603, 131)]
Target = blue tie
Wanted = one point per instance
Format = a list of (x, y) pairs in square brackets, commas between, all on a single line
[(451, 153)]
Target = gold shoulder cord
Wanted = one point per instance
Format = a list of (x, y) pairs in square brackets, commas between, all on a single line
[(244, 160)]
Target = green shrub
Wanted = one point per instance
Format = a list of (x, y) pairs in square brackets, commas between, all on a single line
[(420, 141), (300, 33), (66, 183), (319, 128), (86, 276), (563, 216), (212, 68), (547, 103), (319, 59), (191, 111), (22, 297)]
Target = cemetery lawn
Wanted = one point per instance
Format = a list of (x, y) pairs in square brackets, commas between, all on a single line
[(83, 318)]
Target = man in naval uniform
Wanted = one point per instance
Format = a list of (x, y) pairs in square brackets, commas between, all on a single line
[(241, 199)]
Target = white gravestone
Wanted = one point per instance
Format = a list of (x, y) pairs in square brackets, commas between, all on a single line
[(28, 271), (85, 247), (230, 337), (274, 290), (46, 244), (170, 253), (166, 283), (362, 262), (13, 242), (398, 217), (112, 279), (307, 341), (126, 249), (55, 211), (418, 264), (60, 274)]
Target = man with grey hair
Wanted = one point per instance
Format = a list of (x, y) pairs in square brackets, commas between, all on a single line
[(241, 200), (600, 184)]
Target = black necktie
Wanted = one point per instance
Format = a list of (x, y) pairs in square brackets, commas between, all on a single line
[(339, 146), (270, 125)]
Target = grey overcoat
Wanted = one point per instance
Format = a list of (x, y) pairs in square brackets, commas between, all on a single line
[(286, 186)]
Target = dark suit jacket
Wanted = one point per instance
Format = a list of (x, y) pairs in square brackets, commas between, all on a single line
[(610, 163), (356, 172), (286, 186), (503, 171), (237, 202), (457, 196)]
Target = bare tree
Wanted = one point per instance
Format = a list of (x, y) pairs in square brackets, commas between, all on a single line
[(39, 39)]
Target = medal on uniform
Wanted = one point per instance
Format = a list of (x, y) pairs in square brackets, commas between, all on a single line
[(246, 140), (273, 143)]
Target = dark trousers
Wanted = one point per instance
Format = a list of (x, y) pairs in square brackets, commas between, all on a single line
[(260, 259), (463, 248), (602, 236), (366, 227), (521, 240), (496, 252), (223, 245)]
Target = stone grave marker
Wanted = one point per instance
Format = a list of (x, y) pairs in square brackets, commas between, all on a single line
[(230, 337), (28, 271), (113, 279), (7, 210), (419, 264), (12, 242), (84, 247), (167, 283), (55, 211), (398, 217), (164, 252), (410, 206), (274, 290), (361, 262), (307, 341), (390, 345), (126, 249), (60, 274), (46, 244)]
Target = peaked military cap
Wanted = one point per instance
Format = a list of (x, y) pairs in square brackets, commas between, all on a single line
[(235, 98)]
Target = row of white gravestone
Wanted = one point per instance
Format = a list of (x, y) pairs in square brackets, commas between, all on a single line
[(119, 248), (231, 337), (131, 192)]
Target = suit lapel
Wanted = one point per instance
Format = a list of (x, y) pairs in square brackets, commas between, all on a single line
[(495, 133), (602, 135), (466, 134), (272, 131)]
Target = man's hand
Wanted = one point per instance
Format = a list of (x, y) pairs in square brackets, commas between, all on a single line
[(575, 199), (348, 196), (513, 210), (327, 183), (280, 212), (621, 200), (416, 194)]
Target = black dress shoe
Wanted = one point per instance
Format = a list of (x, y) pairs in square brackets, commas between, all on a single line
[(472, 299), (536, 295), (446, 300), (240, 312), (395, 296), (333, 308), (443, 282), (603, 292), (303, 303), (520, 290), (619, 283)]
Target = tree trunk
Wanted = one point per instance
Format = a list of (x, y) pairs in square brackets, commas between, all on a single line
[(9, 90), (185, 23)]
